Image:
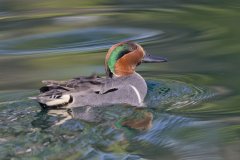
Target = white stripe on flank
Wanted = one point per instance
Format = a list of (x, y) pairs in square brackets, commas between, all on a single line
[(137, 93)]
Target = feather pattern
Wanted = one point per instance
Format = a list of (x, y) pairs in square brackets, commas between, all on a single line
[(55, 92)]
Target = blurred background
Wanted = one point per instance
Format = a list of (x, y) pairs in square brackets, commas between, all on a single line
[(61, 39)]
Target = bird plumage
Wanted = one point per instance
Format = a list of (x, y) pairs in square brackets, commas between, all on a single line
[(122, 85)]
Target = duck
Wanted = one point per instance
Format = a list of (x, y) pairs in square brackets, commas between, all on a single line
[(121, 84)]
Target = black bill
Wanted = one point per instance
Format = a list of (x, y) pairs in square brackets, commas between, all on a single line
[(153, 59)]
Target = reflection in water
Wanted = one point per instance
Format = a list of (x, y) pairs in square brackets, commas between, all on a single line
[(136, 119), (140, 120)]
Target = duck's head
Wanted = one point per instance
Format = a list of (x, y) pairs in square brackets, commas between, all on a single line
[(122, 59)]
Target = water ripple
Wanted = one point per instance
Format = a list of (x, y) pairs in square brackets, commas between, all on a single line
[(172, 94), (79, 40)]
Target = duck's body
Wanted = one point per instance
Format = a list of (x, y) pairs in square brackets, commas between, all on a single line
[(122, 85), (94, 91)]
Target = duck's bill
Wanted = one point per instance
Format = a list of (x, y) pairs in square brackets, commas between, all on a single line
[(153, 59)]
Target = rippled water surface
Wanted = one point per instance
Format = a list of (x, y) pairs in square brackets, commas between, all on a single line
[(193, 100)]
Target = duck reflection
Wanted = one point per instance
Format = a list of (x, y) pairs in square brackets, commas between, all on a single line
[(128, 118), (140, 120)]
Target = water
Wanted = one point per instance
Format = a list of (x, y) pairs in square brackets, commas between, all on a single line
[(193, 100)]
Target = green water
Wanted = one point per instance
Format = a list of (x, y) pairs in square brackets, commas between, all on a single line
[(193, 100)]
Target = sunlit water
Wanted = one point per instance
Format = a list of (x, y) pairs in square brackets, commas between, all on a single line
[(192, 103)]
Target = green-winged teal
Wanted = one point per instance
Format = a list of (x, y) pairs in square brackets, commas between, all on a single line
[(122, 85)]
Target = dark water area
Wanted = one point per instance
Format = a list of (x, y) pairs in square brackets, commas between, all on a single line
[(193, 100)]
